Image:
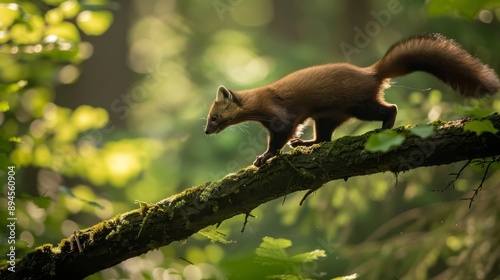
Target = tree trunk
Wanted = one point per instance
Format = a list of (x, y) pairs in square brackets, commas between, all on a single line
[(177, 217)]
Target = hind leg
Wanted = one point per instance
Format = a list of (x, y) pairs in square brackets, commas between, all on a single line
[(375, 110), (323, 129)]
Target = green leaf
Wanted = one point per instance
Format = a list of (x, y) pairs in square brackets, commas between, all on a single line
[(472, 111), (94, 22), (308, 256), (42, 202), (423, 131), (384, 141), (214, 236), (269, 242), (480, 127), (271, 251)]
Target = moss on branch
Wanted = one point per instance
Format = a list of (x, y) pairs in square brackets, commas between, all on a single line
[(176, 218)]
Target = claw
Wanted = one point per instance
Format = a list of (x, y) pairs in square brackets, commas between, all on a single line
[(261, 160)]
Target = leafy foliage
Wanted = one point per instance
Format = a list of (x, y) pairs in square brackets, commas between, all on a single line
[(480, 127), (272, 252), (42, 202), (384, 141), (423, 131), (214, 236)]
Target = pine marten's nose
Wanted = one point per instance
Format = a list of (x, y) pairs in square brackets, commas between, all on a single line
[(206, 131)]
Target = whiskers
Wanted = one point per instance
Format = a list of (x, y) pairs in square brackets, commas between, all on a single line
[(243, 128), (231, 129), (238, 128)]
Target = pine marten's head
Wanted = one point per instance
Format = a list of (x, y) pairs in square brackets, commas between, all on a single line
[(223, 111)]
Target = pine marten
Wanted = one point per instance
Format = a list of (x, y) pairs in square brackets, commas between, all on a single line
[(333, 93)]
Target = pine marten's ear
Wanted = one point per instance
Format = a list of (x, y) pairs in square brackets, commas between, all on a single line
[(226, 95), (223, 95)]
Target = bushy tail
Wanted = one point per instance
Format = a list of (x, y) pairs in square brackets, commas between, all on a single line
[(443, 58)]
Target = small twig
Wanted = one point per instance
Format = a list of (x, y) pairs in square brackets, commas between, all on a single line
[(143, 223), (480, 187), (284, 199), (246, 220), (452, 182), (77, 240), (71, 246), (305, 196), (396, 174), (186, 260)]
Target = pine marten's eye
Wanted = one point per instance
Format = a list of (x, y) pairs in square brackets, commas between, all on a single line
[(213, 118)]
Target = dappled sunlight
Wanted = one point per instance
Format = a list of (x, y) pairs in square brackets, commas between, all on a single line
[(68, 227), (69, 74), (106, 211), (142, 140), (243, 67), (33, 100), (148, 49), (235, 59), (121, 166), (86, 117)]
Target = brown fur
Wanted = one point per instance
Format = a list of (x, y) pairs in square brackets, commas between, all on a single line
[(331, 94)]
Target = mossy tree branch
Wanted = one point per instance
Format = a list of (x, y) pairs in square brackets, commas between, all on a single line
[(177, 217)]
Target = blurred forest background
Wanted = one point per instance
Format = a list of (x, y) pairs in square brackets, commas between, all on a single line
[(103, 104)]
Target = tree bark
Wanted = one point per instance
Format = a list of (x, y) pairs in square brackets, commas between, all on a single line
[(177, 217)]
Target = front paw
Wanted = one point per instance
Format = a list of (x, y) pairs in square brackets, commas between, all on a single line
[(261, 160)]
